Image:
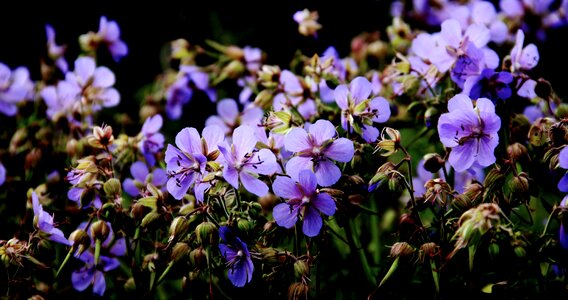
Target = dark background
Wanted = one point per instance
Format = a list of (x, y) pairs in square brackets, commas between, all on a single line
[(264, 24)]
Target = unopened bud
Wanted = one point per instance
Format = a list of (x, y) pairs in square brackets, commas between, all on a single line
[(100, 230), (130, 285), (519, 183), (150, 219), (520, 252), (178, 228), (297, 290), (543, 89), (429, 250), (493, 250), (269, 255), (517, 151), (180, 251), (198, 258), (81, 241), (112, 187), (206, 233), (433, 162), (561, 111), (301, 269), (401, 249)]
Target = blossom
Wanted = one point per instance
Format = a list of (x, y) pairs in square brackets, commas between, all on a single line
[(238, 257), (93, 274), (315, 151), (307, 22), (229, 117), (523, 58), (142, 176), (15, 87), (95, 83), (109, 33), (358, 111), (54, 51), (489, 84), (297, 94), (61, 100), (303, 200), (151, 140), (2, 174), (189, 79), (44, 222), (470, 131), (243, 162), (562, 232)]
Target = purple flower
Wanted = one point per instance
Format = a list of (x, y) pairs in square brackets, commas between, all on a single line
[(142, 176), (296, 94), (358, 111), (238, 257), (562, 232), (563, 163), (186, 164), (470, 131), (2, 174), (15, 87), (489, 84), (523, 58), (44, 222), (151, 140), (229, 117), (315, 151), (243, 162), (303, 200), (54, 51), (95, 83), (62, 100), (253, 58), (180, 92), (109, 33), (91, 274)]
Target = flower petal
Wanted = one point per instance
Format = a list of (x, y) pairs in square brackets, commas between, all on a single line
[(307, 181), (324, 203), (188, 140), (327, 173), (244, 141), (82, 279), (296, 164), (285, 215), (312, 222), (360, 89), (286, 187), (341, 95), (341, 150), (297, 140), (253, 184), (322, 131)]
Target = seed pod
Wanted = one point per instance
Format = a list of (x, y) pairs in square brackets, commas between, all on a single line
[(100, 230)]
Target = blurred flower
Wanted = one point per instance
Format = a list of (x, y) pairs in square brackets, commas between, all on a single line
[(151, 140), (244, 162), (315, 151), (229, 117), (62, 100), (303, 200), (54, 51), (142, 176), (238, 257), (470, 132), (297, 94), (308, 22), (489, 84), (2, 174), (15, 87), (189, 79), (563, 163), (109, 33), (44, 222)]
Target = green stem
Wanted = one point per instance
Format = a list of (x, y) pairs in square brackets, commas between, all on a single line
[(64, 262), (166, 271), (360, 251), (97, 251)]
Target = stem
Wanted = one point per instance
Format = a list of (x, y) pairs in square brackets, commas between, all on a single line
[(166, 271), (97, 251), (548, 221), (64, 262), (360, 252)]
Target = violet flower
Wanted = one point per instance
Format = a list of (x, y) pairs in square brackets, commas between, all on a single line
[(315, 151), (243, 162), (190, 78), (91, 274), (44, 222), (62, 100), (95, 83), (15, 87), (54, 51), (229, 117), (137, 186), (303, 200), (109, 33), (470, 131), (238, 257), (295, 94), (562, 232), (523, 58), (2, 174), (489, 84), (358, 111), (151, 140)]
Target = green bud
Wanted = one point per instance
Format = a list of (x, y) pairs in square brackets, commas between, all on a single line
[(108, 211), (112, 187), (561, 111), (178, 228), (269, 255), (402, 249), (130, 285), (301, 269), (180, 251), (198, 258), (100, 230), (187, 209), (81, 240), (245, 226), (519, 184), (151, 218), (264, 99), (520, 252), (494, 250), (206, 233)]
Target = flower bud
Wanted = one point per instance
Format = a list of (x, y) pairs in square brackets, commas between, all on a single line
[(138, 211), (538, 132), (297, 290), (269, 255), (301, 269), (543, 89), (150, 219), (390, 141), (130, 285), (100, 230), (433, 162), (108, 211), (180, 251), (112, 187), (206, 233), (493, 250), (198, 258), (428, 250), (519, 184), (494, 179), (561, 111), (148, 262), (102, 137), (81, 241), (178, 228), (401, 249), (431, 116), (517, 151), (520, 251)]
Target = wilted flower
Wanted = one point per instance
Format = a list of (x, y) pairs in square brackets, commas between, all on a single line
[(303, 200), (238, 257), (523, 59), (44, 222), (102, 137), (54, 51), (108, 34)]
